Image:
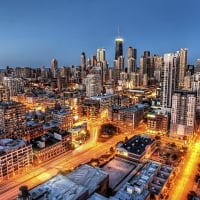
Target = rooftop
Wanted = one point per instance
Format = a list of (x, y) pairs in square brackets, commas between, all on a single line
[(102, 96), (59, 187), (97, 196), (130, 108), (118, 169), (50, 124), (88, 176), (140, 186), (138, 144), (8, 144), (5, 104)]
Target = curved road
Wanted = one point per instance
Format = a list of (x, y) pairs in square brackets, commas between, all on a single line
[(38, 175)]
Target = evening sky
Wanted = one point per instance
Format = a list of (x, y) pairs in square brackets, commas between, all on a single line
[(32, 32)]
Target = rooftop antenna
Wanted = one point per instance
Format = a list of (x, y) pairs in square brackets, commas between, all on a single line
[(118, 31)]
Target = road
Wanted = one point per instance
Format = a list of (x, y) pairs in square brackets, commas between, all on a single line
[(38, 175), (184, 181)]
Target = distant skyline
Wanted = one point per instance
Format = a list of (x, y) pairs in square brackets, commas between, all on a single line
[(35, 31)]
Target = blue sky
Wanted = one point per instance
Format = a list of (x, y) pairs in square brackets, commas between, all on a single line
[(32, 32)]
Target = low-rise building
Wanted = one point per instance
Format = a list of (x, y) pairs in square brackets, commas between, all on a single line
[(78, 185), (15, 155), (139, 147), (158, 122), (51, 144), (93, 178), (132, 114), (120, 170), (90, 109), (151, 180), (64, 117), (59, 187), (105, 100)]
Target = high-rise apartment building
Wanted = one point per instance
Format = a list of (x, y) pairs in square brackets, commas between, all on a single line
[(158, 63), (12, 118), (15, 85), (4, 93), (197, 67), (195, 86), (182, 67), (169, 78), (172, 75), (183, 114), (93, 85)]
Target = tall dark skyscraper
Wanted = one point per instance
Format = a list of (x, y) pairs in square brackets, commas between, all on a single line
[(118, 47)]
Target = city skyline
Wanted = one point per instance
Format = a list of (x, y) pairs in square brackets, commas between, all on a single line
[(32, 33)]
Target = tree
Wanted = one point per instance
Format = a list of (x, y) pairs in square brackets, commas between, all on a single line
[(157, 137), (111, 149), (174, 157), (125, 139), (152, 196), (191, 194)]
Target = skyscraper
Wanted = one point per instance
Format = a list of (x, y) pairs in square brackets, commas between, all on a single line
[(101, 55), (93, 61), (195, 85), (132, 54), (83, 66), (119, 59), (172, 75), (93, 85), (183, 114), (182, 67), (118, 47), (83, 60), (146, 70), (54, 67), (168, 78), (14, 85)]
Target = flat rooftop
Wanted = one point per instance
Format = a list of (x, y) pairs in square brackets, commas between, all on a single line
[(9, 144), (140, 186), (97, 196), (138, 143), (118, 169), (58, 187), (88, 176), (50, 124), (5, 104), (103, 96)]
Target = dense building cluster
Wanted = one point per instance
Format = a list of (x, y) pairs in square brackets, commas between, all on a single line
[(39, 108)]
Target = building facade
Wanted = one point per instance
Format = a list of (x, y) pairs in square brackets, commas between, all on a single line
[(12, 118), (15, 155), (183, 114), (15, 85)]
